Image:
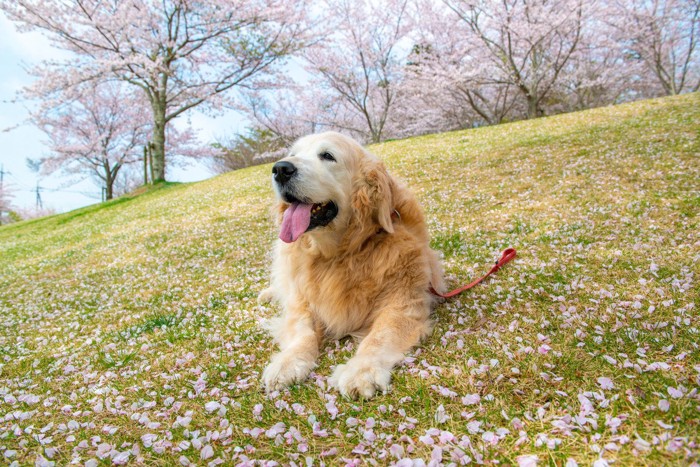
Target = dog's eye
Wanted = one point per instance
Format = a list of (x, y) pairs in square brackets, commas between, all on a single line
[(326, 156)]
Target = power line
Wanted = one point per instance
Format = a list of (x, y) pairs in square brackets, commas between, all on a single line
[(28, 189), (17, 180), (89, 194)]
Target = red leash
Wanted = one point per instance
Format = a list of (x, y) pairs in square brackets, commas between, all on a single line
[(506, 257)]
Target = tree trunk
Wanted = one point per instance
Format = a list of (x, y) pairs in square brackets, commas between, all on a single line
[(158, 162), (533, 106), (145, 165), (150, 159), (109, 180)]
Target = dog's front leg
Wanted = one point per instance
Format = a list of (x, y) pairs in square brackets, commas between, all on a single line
[(299, 344), (394, 332)]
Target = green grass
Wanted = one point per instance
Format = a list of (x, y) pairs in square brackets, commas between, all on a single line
[(130, 330)]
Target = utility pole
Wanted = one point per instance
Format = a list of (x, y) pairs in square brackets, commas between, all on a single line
[(39, 204)]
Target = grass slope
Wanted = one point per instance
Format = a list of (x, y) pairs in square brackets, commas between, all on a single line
[(130, 330)]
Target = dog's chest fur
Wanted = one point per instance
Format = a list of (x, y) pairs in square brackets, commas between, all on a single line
[(345, 294)]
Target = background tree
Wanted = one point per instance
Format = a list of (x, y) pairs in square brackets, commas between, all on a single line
[(600, 73), (290, 111), (130, 179), (181, 53), (6, 203), (527, 43), (449, 69), (257, 146), (663, 35), (95, 131), (358, 64)]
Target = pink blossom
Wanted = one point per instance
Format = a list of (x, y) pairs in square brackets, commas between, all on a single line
[(275, 430), (440, 415), (527, 460), (471, 399), (605, 383), (207, 452), (332, 409), (396, 450), (211, 406)]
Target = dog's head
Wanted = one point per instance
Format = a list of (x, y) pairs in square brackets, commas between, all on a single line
[(329, 185)]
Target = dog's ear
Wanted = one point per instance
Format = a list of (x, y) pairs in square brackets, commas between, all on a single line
[(373, 197)]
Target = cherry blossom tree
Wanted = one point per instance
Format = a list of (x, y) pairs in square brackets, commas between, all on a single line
[(291, 111), (256, 146), (101, 130), (526, 43), (6, 196), (449, 69), (600, 73), (359, 64), (181, 53), (664, 36)]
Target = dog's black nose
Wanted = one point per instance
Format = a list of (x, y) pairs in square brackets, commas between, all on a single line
[(283, 171)]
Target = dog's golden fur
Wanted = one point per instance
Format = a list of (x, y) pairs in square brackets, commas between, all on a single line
[(366, 274)]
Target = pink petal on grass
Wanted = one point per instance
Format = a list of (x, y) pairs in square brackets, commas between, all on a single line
[(605, 383), (528, 460), (471, 399), (332, 409), (206, 452)]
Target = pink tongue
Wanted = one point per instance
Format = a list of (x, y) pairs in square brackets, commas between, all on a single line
[(295, 221)]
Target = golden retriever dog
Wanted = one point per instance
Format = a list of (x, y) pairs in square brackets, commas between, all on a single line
[(353, 259)]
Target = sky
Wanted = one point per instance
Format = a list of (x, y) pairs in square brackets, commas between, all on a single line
[(19, 51)]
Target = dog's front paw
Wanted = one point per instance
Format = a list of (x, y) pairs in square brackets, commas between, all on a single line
[(285, 370), (266, 296), (360, 379)]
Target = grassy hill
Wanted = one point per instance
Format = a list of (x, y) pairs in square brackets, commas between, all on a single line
[(130, 330)]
